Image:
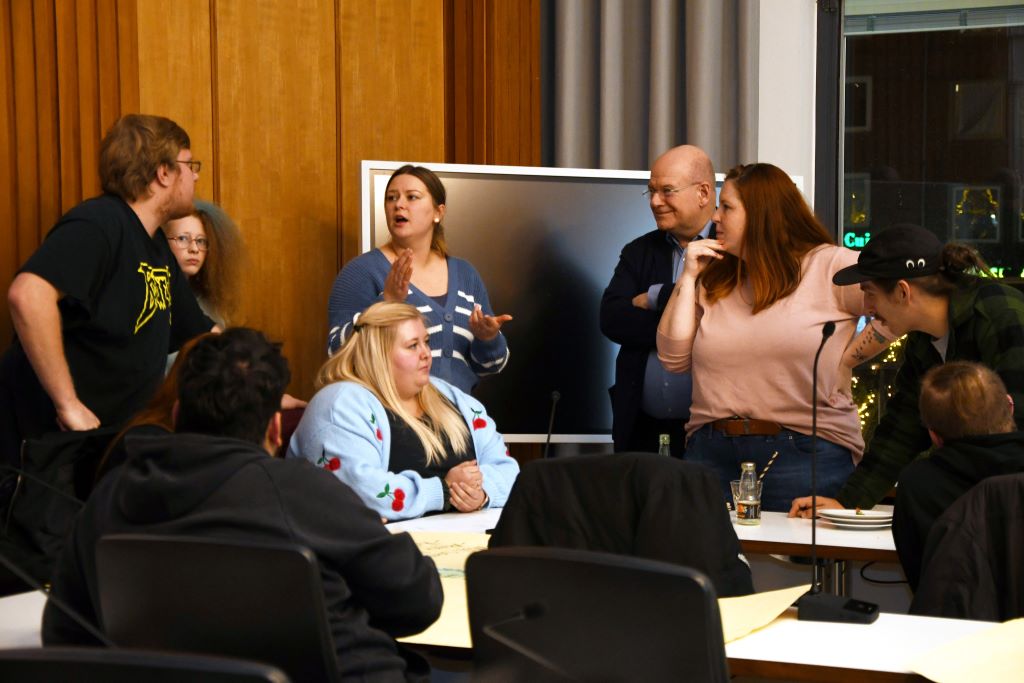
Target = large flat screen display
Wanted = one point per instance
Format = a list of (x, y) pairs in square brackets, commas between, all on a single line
[(545, 241)]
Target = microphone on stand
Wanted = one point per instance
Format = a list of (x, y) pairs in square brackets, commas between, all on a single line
[(816, 605), (551, 420)]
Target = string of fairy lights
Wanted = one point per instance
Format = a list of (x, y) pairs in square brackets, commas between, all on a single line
[(871, 379)]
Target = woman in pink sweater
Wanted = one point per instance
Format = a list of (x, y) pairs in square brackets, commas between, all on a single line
[(746, 317)]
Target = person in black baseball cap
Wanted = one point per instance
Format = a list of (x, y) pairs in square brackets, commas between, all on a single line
[(903, 251), (892, 260), (942, 298)]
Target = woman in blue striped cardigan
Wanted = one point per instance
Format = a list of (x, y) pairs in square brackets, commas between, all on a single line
[(414, 267)]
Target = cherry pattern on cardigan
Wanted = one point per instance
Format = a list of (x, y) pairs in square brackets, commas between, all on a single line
[(331, 464), (397, 497)]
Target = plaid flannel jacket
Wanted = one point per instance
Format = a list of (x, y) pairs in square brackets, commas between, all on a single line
[(986, 325)]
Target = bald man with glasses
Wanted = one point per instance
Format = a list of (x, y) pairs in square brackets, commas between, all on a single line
[(646, 399)]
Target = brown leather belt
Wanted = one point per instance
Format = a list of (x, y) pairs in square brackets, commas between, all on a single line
[(742, 426)]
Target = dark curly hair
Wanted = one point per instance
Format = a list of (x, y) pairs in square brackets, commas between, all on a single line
[(231, 384)]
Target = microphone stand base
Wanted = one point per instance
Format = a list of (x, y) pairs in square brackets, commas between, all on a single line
[(827, 607)]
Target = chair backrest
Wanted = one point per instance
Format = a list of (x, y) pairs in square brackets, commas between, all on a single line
[(637, 504), (239, 599), (90, 664), (973, 561), (552, 614)]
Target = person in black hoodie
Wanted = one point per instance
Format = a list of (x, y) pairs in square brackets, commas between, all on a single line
[(214, 478), (969, 416)]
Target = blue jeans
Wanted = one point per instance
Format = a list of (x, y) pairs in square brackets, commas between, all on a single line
[(790, 474)]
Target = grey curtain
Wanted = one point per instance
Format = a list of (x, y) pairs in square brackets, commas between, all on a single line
[(633, 78)]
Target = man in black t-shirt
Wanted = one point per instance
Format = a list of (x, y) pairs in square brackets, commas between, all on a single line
[(102, 301)]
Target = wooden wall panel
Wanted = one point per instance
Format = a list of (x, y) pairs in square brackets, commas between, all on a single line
[(282, 101), (56, 112), (277, 142), (493, 77), (8, 164), (176, 79), (86, 28), (48, 153), (61, 89), (107, 89), (392, 85), (515, 79), (27, 129), (128, 55), (68, 105)]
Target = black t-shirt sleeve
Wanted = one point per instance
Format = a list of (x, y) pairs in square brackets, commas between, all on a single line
[(75, 258)]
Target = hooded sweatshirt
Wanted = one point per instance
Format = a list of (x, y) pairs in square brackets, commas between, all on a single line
[(928, 487), (377, 586)]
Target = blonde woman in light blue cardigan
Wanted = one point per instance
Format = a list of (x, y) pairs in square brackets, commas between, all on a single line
[(406, 443)]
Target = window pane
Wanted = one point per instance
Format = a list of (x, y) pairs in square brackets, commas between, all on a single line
[(933, 136)]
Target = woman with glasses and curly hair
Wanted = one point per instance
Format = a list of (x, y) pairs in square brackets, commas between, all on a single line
[(405, 442), (747, 317), (208, 247)]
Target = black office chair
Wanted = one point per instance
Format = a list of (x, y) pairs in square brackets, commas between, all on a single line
[(637, 504), (973, 564), (92, 664), (238, 599), (552, 614)]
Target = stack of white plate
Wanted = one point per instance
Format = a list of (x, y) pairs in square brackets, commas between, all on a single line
[(858, 520)]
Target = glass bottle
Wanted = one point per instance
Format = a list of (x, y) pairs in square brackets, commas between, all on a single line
[(748, 505), (663, 445)]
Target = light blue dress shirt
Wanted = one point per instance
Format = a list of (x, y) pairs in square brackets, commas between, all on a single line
[(666, 394)]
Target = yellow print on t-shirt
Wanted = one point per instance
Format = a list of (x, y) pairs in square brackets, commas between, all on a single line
[(158, 292)]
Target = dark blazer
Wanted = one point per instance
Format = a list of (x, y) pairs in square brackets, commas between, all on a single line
[(643, 262)]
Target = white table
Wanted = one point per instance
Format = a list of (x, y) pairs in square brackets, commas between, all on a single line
[(815, 651), (466, 522), (776, 534), (786, 648), (20, 620)]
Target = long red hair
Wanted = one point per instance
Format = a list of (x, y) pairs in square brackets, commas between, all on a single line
[(780, 230)]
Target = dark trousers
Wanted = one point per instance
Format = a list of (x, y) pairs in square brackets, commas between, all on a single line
[(25, 412)]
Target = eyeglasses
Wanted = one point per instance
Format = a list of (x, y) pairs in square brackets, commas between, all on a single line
[(193, 165), (666, 192), (183, 242)]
